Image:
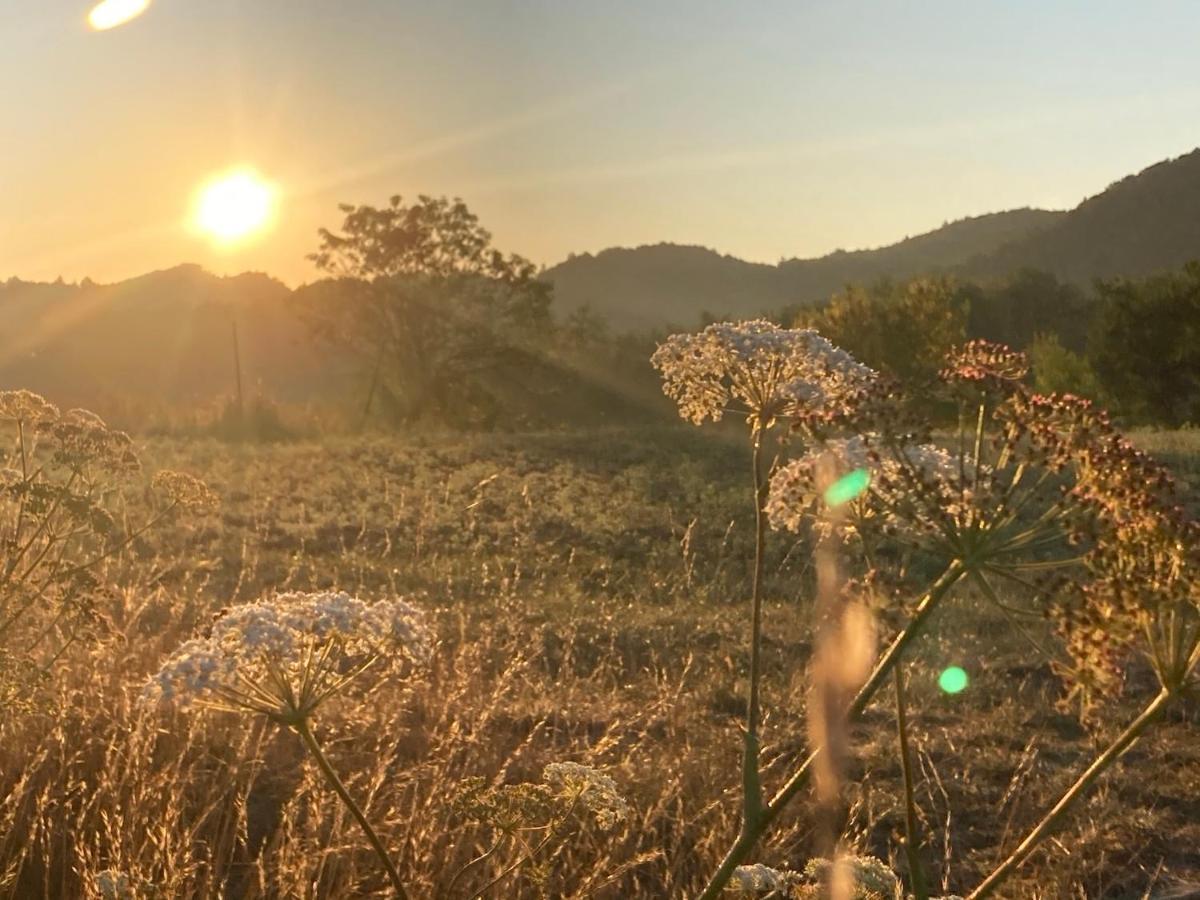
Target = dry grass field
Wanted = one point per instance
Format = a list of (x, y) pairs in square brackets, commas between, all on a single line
[(589, 594)]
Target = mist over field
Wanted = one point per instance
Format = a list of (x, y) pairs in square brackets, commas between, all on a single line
[(417, 480)]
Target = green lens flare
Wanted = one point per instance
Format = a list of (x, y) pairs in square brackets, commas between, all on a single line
[(953, 680), (847, 487)]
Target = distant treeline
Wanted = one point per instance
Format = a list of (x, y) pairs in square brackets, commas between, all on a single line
[(1129, 343), (421, 322)]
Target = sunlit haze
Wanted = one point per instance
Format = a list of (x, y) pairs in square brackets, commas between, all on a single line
[(765, 131)]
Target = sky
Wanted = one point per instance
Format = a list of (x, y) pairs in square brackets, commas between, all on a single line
[(764, 130)]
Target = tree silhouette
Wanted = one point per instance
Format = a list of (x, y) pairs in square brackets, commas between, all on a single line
[(437, 314)]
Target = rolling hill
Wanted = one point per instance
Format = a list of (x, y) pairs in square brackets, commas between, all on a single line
[(1146, 223), (668, 284)]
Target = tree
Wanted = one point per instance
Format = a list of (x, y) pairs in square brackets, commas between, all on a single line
[(436, 313), (1146, 345), (904, 328), (1059, 370), (1028, 303)]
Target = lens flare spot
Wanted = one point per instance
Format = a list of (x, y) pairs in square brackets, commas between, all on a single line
[(234, 206), (847, 487), (953, 680), (111, 13)]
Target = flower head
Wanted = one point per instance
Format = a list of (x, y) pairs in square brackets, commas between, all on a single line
[(185, 491), (82, 439), (986, 364), (871, 877), (593, 790), (761, 879), (765, 370), (26, 406), (895, 474), (284, 656)]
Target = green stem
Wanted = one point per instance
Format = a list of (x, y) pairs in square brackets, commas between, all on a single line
[(302, 728), (750, 836), (912, 837), (1073, 793)]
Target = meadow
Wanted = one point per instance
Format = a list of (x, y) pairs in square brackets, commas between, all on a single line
[(589, 596)]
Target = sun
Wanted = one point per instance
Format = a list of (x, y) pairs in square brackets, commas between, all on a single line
[(111, 13), (234, 206)]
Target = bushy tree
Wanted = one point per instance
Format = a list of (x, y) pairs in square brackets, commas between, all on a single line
[(1146, 346), (1028, 303), (904, 328), (438, 315), (1058, 370)]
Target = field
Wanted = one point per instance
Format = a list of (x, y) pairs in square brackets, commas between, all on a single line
[(589, 592)]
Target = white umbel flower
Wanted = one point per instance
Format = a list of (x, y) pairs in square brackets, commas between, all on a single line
[(283, 656), (757, 367), (595, 791)]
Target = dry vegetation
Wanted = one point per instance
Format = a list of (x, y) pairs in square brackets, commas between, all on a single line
[(589, 596)]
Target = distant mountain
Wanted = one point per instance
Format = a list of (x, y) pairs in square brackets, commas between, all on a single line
[(1146, 223), (1141, 225), (668, 284), (158, 339)]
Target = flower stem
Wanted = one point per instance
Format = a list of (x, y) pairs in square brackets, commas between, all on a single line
[(748, 837), (752, 803), (302, 728), (912, 836), (1052, 818)]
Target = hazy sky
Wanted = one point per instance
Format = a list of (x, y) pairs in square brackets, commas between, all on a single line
[(764, 130)]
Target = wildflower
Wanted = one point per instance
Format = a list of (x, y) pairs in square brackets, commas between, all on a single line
[(284, 656), (26, 406), (871, 877), (185, 491), (894, 474), (83, 439), (766, 370), (986, 364), (593, 790), (761, 879)]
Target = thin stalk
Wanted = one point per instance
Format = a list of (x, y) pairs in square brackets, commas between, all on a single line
[(531, 852), (473, 862), (302, 728), (1073, 793), (912, 836), (752, 802), (749, 837)]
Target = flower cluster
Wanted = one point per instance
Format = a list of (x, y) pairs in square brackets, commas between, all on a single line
[(26, 407), (986, 364), (82, 438), (284, 656), (566, 788), (871, 877), (761, 879), (594, 791), (1142, 549), (895, 472), (185, 491), (760, 369)]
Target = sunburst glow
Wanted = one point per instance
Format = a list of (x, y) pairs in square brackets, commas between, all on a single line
[(111, 13), (234, 206)]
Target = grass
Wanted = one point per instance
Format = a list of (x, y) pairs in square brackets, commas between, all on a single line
[(590, 595)]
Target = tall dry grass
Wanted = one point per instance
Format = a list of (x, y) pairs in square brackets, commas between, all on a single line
[(586, 594)]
